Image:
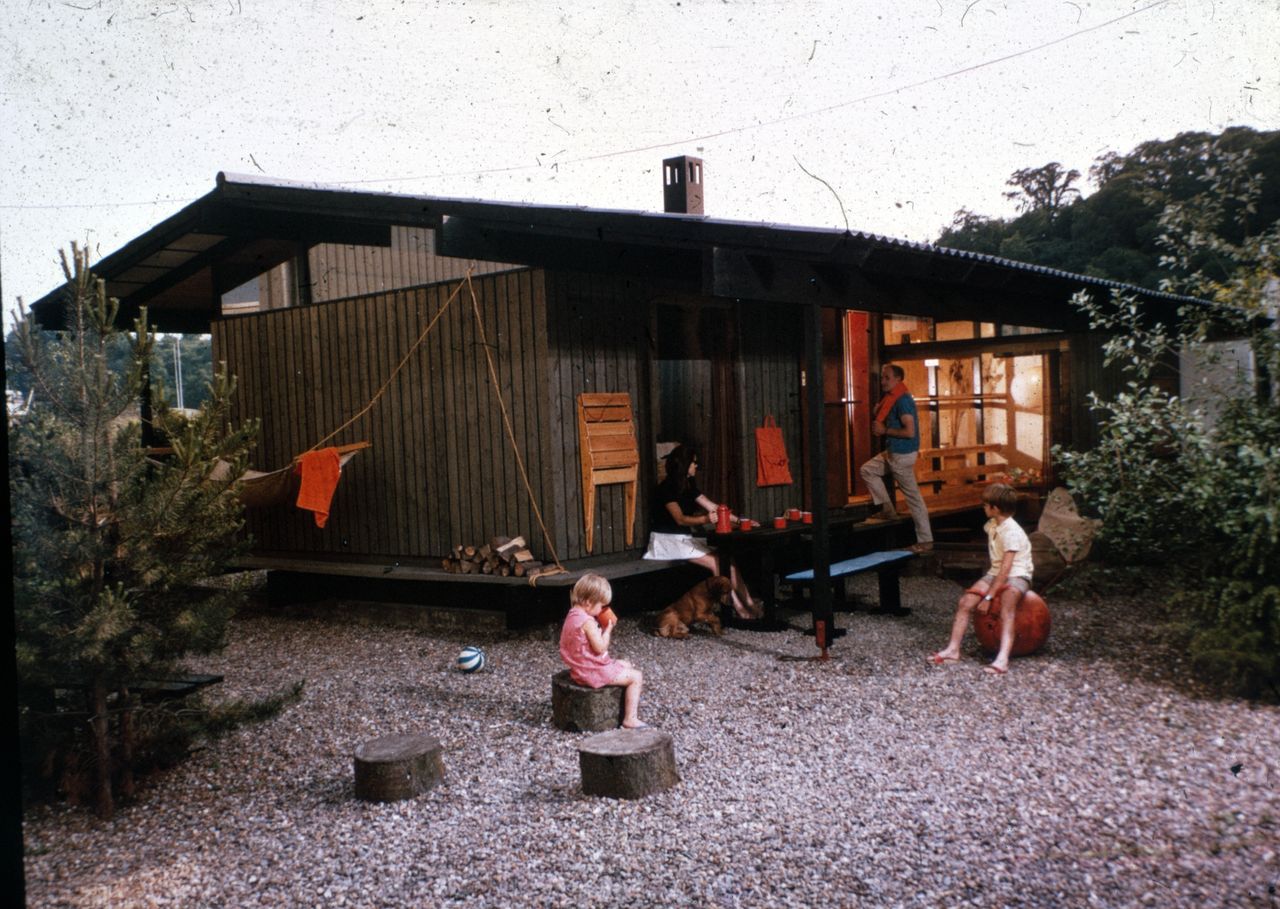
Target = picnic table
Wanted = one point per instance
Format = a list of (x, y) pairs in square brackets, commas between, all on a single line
[(763, 547), (771, 550)]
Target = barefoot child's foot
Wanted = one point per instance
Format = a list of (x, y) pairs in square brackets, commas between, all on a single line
[(940, 658), (634, 725), (993, 669)]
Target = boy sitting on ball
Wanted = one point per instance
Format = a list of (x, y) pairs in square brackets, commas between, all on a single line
[(1008, 578)]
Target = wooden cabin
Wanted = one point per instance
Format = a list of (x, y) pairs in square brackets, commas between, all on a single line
[(315, 297)]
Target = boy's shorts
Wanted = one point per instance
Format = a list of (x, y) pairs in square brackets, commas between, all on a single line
[(1021, 584)]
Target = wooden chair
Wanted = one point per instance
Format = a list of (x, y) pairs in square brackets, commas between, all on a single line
[(607, 446)]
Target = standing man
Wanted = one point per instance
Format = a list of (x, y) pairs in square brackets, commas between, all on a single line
[(895, 421)]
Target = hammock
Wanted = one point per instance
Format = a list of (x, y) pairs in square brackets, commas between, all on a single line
[(259, 489)]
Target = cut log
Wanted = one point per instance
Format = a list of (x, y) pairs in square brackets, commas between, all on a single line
[(512, 545), (524, 555), (468, 552), (576, 708), (524, 569), (496, 543), (628, 763), (397, 767)]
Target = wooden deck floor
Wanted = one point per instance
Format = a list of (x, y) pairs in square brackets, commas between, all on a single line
[(419, 594)]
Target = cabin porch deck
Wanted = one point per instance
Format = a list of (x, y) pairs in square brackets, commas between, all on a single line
[(421, 595)]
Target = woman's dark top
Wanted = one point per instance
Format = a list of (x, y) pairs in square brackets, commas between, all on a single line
[(660, 520)]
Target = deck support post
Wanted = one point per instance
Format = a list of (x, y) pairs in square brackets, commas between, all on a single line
[(821, 554)]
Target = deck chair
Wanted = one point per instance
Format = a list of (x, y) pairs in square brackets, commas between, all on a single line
[(609, 453)]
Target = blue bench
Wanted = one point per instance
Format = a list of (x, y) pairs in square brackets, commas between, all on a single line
[(888, 568)]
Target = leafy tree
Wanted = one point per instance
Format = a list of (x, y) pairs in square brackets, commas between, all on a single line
[(1201, 500), (1115, 232), (108, 543), (197, 364), (1046, 188)]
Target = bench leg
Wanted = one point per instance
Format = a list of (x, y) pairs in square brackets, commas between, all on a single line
[(839, 595), (890, 594)]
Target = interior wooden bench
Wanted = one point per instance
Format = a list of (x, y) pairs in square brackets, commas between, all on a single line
[(887, 566), (956, 475)]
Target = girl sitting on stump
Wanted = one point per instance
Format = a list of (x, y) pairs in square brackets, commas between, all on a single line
[(1008, 578), (584, 646)]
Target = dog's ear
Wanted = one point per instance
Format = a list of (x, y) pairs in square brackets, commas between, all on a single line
[(720, 586)]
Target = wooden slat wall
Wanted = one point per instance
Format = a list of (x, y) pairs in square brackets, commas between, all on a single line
[(596, 342), (440, 471), (341, 271), (771, 341), (1086, 372)]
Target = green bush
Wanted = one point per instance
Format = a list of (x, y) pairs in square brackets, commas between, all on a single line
[(1199, 499)]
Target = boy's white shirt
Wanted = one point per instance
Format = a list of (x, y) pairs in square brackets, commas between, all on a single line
[(1005, 535)]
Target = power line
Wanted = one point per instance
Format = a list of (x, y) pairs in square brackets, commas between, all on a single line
[(688, 139), (797, 116), (95, 204)]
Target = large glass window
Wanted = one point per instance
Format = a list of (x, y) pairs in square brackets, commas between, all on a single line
[(982, 409), (919, 330)]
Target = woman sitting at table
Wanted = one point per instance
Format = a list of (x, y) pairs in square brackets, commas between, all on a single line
[(678, 507)]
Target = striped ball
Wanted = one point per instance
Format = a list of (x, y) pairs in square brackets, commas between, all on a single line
[(471, 659)]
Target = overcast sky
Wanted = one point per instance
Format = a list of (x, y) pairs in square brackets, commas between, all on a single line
[(116, 113)]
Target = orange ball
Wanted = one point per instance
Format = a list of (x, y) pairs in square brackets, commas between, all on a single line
[(1030, 626), (605, 617)]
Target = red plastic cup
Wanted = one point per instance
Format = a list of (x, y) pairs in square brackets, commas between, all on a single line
[(780, 522), (746, 524), (793, 514), (807, 517)]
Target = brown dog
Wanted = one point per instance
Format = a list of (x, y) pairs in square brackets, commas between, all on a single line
[(701, 603)]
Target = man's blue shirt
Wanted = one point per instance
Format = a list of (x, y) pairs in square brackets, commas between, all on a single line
[(902, 407)]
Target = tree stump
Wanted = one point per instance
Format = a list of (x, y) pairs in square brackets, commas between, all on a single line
[(575, 708), (628, 763), (397, 767)]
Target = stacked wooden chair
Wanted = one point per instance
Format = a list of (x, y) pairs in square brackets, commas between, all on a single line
[(609, 453)]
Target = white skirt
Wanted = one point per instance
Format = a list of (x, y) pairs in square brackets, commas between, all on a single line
[(669, 547)]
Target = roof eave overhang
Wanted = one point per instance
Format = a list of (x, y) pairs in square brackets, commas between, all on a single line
[(245, 226)]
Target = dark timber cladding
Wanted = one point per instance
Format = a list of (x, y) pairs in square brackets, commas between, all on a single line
[(768, 378), (596, 342), (440, 471)]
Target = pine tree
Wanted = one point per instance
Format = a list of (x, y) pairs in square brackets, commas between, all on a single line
[(109, 541)]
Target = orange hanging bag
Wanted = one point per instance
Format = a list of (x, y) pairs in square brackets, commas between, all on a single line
[(773, 468)]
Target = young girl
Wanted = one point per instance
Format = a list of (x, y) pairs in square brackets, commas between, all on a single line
[(584, 647), (1008, 578)]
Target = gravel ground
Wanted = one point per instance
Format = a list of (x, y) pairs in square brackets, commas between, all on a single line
[(1090, 775)]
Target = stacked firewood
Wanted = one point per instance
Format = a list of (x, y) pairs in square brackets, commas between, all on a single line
[(507, 557)]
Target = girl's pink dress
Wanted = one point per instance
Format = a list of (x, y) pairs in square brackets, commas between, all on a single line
[(586, 667)]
